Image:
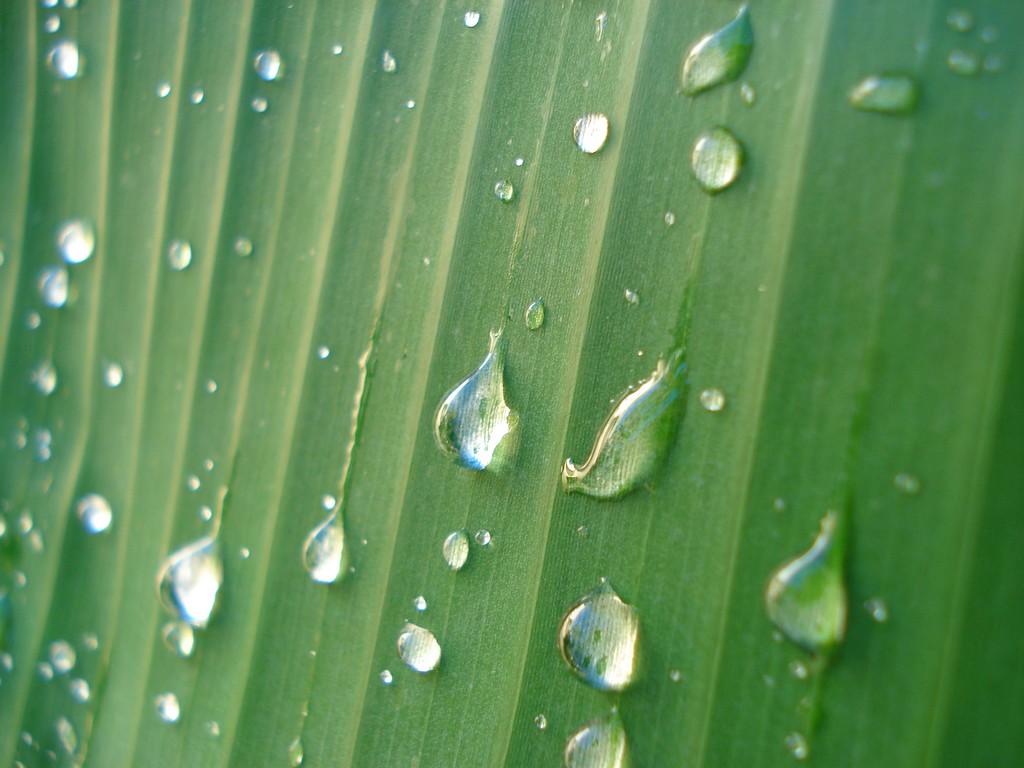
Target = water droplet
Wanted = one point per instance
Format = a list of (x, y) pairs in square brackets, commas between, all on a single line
[(244, 553), (989, 34), (6, 663), (599, 744), (420, 603), (712, 399), (62, 656), (295, 753), (167, 707), (79, 690), (268, 65), (747, 94), (94, 513), (53, 286), (45, 671), (993, 63), (210, 386), (891, 94), (190, 579), (636, 436), (323, 352), (907, 484), (32, 320), (76, 240), (197, 96), (519, 162), (959, 20), (670, 219), (66, 735), (675, 675), (328, 502), (591, 132), (483, 538), (877, 609), (411, 104), (797, 745), (456, 549), (535, 315), (388, 63), (779, 505), (205, 513), (599, 24), (717, 159), (632, 297), (419, 648), (323, 552), (90, 642), (163, 89), (44, 378), (965, 63), (193, 483), (471, 19), (259, 104), (25, 522), (504, 190), (179, 254), (337, 49), (52, 24), (386, 677), (113, 375), (718, 57), (806, 596), (213, 728), (63, 60), (179, 638), (597, 638), (473, 418), (798, 669)]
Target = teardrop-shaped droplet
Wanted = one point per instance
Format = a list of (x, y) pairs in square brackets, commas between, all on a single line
[(636, 436), (535, 315), (718, 57), (591, 132), (268, 64), (179, 254), (94, 513), (76, 240), (167, 707), (473, 419), (456, 549), (179, 638), (891, 94), (324, 550), (296, 754), (598, 639), (419, 648), (189, 580), (717, 159), (599, 744), (806, 596), (53, 286), (64, 61)]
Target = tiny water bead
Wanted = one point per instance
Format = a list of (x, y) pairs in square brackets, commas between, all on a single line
[(337, 49), (66, 735), (64, 60), (45, 671), (167, 707), (76, 240), (388, 62), (323, 352), (675, 675), (94, 513), (534, 315), (90, 641), (419, 648), (599, 744), (964, 63), (483, 538), (541, 722), (212, 727), (907, 484), (590, 132), (52, 24), (179, 637), (717, 159), (877, 609), (471, 18), (163, 89), (473, 419), (712, 399), (296, 754), (890, 94), (190, 579), (259, 104), (747, 94), (323, 552), (53, 286), (806, 596), (719, 56), (798, 669), (456, 549), (268, 65), (796, 743), (79, 690), (43, 378), (960, 20), (179, 254), (632, 297), (193, 483), (197, 95), (386, 677), (420, 603), (62, 656), (636, 436), (504, 190), (328, 502), (242, 246), (597, 638)]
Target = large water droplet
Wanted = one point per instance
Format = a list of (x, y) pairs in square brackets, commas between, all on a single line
[(635, 437), (94, 513), (535, 315), (179, 638), (891, 94), (419, 648), (76, 240), (718, 57), (44, 377), (504, 190), (63, 60), (599, 744), (53, 286), (473, 418), (323, 552), (268, 65), (179, 254), (806, 596), (598, 639), (456, 549), (717, 159), (471, 18), (190, 579), (62, 656), (167, 707), (591, 132)]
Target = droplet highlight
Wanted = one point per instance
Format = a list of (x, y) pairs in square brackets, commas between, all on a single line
[(599, 744), (471, 18), (717, 159), (796, 743), (419, 648), (877, 609), (718, 57), (62, 657), (94, 513), (597, 638), (890, 94), (190, 579), (590, 132)]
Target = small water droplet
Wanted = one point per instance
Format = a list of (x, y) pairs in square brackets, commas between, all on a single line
[(163, 89), (718, 57), (504, 190), (205, 513), (66, 735), (337, 49), (670, 219), (877, 609), (259, 104), (779, 505), (268, 65), (411, 104), (540, 721), (328, 502), (599, 744), (189, 581), (179, 637), (960, 20), (535, 315), (44, 671), (483, 538), (42, 442), (806, 596), (193, 483), (797, 745), (52, 24), (747, 94), (94, 513), (90, 641), (519, 162), (456, 549), (79, 690), (6, 663), (212, 728), (323, 352), (675, 675), (32, 320), (597, 638), (388, 63), (798, 669), (179, 254), (167, 707), (113, 375), (76, 240), (993, 63), (906, 483), (599, 24), (197, 95), (473, 418), (419, 648), (591, 132), (53, 286), (385, 676), (964, 63), (210, 386), (634, 440), (49, 3), (712, 399), (420, 603), (632, 297), (989, 34), (244, 553), (25, 522), (717, 159), (62, 656), (471, 18), (44, 378), (64, 61), (323, 552), (296, 754), (890, 94)]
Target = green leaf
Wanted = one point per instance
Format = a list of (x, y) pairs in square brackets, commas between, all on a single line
[(855, 294)]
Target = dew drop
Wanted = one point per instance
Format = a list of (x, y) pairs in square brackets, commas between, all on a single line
[(52, 24), (210, 386), (891, 94), (94, 513), (388, 63), (323, 352), (385, 677), (193, 483), (798, 669), (806, 596), (66, 735), (259, 104), (323, 552), (212, 728), (45, 671), (670, 219), (32, 320), (76, 240), (90, 642), (163, 89), (79, 690), (993, 63), (632, 297), (167, 707), (712, 399), (179, 638), (456, 549), (519, 162), (189, 581), (960, 20), (717, 159), (747, 94), (44, 378), (906, 483), (268, 65), (535, 315), (877, 609), (337, 49), (591, 132), (471, 18), (205, 513), (541, 722), (473, 418), (53, 286), (599, 744), (197, 95), (597, 638), (504, 190), (113, 375), (675, 675), (242, 246), (797, 745), (419, 648), (964, 63), (636, 436), (62, 656), (718, 57), (296, 754), (64, 61), (420, 603), (483, 538), (328, 502), (179, 254), (989, 34)]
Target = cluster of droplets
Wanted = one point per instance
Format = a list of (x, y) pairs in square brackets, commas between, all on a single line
[(970, 59)]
